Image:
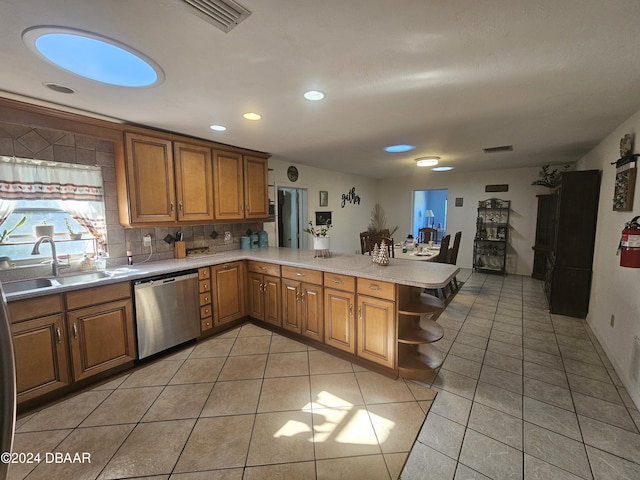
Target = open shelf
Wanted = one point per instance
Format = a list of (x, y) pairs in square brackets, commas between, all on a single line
[(427, 331), (416, 365)]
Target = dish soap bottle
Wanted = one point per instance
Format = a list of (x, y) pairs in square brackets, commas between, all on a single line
[(101, 262)]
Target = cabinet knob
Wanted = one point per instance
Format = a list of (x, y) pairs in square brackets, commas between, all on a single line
[(298, 274), (337, 281), (206, 299), (375, 287), (180, 206)]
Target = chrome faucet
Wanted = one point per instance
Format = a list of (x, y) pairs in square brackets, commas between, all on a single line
[(55, 265)]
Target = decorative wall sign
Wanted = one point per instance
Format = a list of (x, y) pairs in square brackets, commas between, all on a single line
[(324, 198), (496, 188), (625, 188), (459, 201), (323, 218), (350, 197)]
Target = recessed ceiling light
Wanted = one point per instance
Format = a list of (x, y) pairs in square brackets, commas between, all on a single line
[(56, 87), (93, 56), (218, 128), (252, 116), (314, 95), (427, 161), (399, 148), (442, 169)]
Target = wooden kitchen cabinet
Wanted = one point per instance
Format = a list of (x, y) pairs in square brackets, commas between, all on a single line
[(100, 328), (302, 302), (40, 346), (166, 182), (205, 299), (264, 292), (240, 186), (376, 325), (339, 324), (228, 289)]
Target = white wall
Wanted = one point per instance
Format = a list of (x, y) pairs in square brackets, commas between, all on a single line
[(349, 221), (395, 196), (615, 290)]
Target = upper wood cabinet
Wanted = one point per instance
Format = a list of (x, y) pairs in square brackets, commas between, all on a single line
[(167, 182), (240, 186)]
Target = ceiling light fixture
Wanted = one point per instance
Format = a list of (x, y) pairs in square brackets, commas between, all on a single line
[(218, 128), (427, 161), (442, 169), (399, 148), (252, 116), (93, 56), (314, 95)]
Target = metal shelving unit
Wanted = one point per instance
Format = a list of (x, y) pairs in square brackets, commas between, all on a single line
[(492, 235)]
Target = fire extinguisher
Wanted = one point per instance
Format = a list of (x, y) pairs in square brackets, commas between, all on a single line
[(630, 244)]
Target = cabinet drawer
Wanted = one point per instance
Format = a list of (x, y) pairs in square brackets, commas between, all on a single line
[(206, 324), (266, 268), (204, 273), (35, 307), (97, 295), (205, 298), (302, 274), (375, 288), (205, 311), (345, 283), (204, 286)]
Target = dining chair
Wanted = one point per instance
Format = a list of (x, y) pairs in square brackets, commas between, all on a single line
[(364, 242), (453, 258), (444, 250), (427, 234), (373, 240)]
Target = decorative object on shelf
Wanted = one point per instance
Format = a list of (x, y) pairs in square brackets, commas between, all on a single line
[(72, 234), (5, 234), (378, 223), (492, 230), (350, 197), (44, 230), (324, 198), (549, 178), (380, 254), (626, 173), (292, 173)]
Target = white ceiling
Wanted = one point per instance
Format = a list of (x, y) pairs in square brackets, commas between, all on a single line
[(550, 77)]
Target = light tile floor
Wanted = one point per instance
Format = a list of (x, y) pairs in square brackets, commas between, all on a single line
[(523, 394), (248, 404)]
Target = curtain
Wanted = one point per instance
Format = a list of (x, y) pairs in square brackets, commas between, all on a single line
[(41, 180), (6, 208), (88, 215)]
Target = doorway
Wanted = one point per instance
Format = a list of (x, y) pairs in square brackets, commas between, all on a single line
[(430, 210), (292, 217)]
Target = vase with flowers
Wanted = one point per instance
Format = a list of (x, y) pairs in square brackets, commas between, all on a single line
[(321, 241)]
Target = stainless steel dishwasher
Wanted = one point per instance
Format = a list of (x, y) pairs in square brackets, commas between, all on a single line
[(167, 311)]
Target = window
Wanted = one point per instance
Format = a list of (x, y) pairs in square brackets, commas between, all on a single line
[(64, 196)]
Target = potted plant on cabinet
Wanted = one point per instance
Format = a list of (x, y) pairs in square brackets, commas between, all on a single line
[(44, 230), (321, 241)]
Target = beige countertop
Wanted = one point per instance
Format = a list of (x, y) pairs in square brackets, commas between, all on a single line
[(400, 271)]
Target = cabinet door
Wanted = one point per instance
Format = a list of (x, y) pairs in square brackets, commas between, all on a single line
[(228, 292), (256, 298), (312, 311), (194, 182), (150, 179), (339, 326), (376, 330), (101, 337), (256, 198), (40, 349), (228, 186), (272, 300), (291, 307)]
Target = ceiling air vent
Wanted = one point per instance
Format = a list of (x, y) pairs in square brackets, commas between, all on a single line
[(224, 14), (502, 148)]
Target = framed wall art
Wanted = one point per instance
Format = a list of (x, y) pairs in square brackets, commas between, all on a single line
[(625, 187), (324, 198)]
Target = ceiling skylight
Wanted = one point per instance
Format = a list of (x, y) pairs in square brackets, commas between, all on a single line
[(399, 148), (442, 169), (93, 56), (218, 128)]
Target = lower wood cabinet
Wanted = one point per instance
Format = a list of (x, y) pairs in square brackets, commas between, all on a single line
[(228, 284), (101, 337), (264, 298), (54, 348), (339, 322), (41, 355), (376, 323), (302, 308)]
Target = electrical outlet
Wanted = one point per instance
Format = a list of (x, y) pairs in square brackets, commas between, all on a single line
[(613, 320), (146, 241)]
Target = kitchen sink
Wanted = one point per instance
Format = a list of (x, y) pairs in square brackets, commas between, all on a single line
[(33, 284), (81, 278)]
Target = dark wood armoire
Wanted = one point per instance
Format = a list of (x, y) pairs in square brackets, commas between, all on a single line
[(573, 231)]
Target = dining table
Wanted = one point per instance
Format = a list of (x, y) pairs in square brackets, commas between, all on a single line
[(422, 252)]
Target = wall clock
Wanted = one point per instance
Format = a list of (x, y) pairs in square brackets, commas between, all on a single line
[(292, 173)]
